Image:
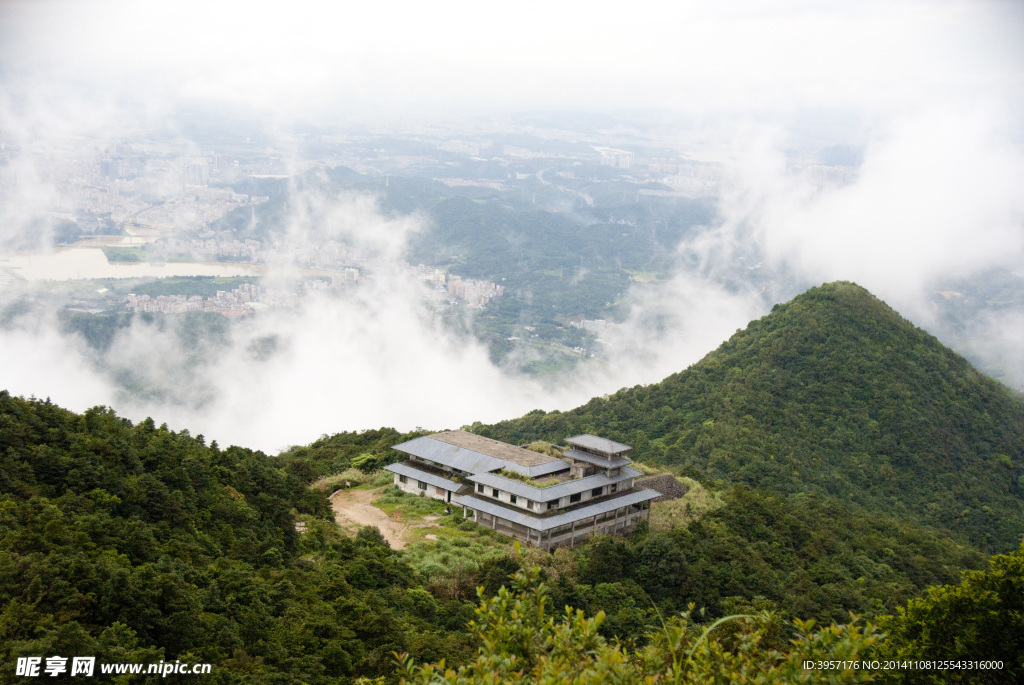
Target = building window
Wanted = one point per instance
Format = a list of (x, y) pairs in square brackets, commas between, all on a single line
[(494, 492), (402, 479), (575, 498), (596, 492), (614, 487), (421, 485), (553, 504), (480, 488), (529, 504), (512, 499)]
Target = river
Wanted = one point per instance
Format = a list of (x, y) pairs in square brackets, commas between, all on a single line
[(75, 263)]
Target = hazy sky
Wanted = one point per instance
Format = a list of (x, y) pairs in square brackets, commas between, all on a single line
[(361, 58), (936, 89)]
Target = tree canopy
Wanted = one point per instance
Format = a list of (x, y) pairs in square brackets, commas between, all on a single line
[(832, 394)]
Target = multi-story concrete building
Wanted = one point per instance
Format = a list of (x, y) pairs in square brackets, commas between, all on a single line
[(546, 501)]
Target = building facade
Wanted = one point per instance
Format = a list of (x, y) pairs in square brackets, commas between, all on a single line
[(543, 500)]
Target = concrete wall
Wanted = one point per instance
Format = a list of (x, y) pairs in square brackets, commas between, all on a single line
[(411, 485), (504, 496)]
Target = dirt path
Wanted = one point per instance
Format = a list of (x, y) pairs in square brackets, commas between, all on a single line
[(354, 506)]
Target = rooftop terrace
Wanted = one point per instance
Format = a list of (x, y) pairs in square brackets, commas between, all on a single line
[(494, 448)]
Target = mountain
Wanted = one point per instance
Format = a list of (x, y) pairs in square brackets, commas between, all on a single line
[(135, 543), (834, 427), (833, 394)]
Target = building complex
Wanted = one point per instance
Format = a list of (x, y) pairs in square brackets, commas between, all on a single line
[(544, 500)]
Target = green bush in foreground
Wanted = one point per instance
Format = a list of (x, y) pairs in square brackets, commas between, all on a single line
[(981, 619), (520, 642)]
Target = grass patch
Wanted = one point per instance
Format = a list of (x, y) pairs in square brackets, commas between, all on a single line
[(449, 563), (460, 548), (355, 479), (541, 483), (544, 448), (410, 506), (680, 512), (453, 554), (204, 286), (647, 469)]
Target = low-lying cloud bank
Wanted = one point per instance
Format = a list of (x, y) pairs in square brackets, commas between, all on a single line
[(935, 202), (370, 356)]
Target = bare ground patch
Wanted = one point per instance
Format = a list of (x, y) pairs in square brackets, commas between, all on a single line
[(355, 507)]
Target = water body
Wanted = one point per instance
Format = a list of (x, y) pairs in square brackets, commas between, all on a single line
[(75, 263)]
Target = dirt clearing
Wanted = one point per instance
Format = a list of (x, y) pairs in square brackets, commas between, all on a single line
[(356, 507)]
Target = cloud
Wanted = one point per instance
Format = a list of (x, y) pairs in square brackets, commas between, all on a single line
[(937, 196), (934, 89), (936, 201), (370, 358), (998, 339), (367, 357), (36, 360), (672, 325), (358, 358), (372, 58)]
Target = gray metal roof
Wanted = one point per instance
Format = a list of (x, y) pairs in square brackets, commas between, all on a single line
[(494, 448), (538, 470), (451, 456), (593, 442), (406, 468), (596, 460), (469, 460), (551, 492), (543, 524)]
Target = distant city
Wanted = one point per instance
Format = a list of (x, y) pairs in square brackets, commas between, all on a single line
[(498, 203)]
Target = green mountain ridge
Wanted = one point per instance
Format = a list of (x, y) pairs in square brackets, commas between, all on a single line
[(834, 394), (135, 543)]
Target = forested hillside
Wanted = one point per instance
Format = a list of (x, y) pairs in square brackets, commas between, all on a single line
[(972, 632), (134, 543), (805, 556), (840, 441), (832, 393)]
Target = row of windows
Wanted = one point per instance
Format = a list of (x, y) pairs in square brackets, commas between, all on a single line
[(494, 493), (420, 484), (553, 504)]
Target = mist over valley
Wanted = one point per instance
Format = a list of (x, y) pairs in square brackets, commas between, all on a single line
[(446, 342)]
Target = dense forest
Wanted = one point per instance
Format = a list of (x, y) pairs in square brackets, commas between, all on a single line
[(136, 543), (940, 635), (133, 542), (832, 394)]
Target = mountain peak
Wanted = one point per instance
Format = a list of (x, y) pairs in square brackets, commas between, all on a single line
[(832, 393)]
